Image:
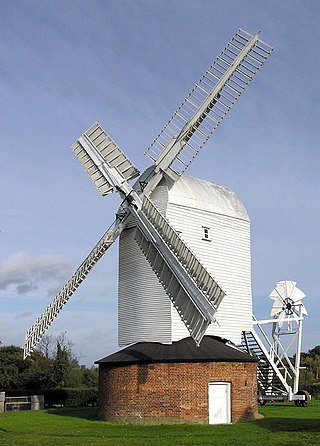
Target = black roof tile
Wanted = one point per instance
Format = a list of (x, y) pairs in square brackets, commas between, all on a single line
[(211, 349)]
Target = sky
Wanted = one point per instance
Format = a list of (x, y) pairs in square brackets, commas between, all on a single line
[(128, 64)]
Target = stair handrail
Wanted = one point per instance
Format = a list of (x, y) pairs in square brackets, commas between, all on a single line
[(278, 359)]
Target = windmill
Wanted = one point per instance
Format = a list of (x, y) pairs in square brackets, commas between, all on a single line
[(193, 291), (278, 375), (288, 313)]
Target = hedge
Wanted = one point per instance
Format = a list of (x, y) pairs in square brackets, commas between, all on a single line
[(72, 397)]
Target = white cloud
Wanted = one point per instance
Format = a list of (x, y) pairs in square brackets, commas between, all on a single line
[(25, 288), (24, 314), (25, 272)]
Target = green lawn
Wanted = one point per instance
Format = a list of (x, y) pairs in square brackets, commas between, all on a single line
[(282, 425)]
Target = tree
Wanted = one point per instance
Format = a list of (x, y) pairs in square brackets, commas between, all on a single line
[(52, 365), (314, 351), (45, 345), (40, 374), (90, 377), (61, 365), (12, 367), (310, 374)]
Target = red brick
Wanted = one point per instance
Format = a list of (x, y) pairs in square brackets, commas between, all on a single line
[(174, 392)]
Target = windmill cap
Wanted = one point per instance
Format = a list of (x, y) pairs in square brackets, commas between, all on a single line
[(204, 195)]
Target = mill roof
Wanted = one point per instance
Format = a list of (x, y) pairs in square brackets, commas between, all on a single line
[(211, 349), (201, 194)]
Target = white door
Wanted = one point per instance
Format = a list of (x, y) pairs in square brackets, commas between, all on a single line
[(219, 403)]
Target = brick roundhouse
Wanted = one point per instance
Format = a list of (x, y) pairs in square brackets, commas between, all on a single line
[(155, 383)]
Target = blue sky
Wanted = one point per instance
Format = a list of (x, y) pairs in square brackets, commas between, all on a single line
[(128, 64)]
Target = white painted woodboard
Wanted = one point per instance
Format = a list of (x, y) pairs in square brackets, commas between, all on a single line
[(145, 311)]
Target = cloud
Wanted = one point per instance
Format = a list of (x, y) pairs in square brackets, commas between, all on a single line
[(25, 288), (24, 314), (26, 272)]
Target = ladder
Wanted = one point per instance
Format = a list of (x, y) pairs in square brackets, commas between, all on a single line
[(272, 374)]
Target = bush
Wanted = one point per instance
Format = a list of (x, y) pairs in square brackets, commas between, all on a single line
[(54, 397), (314, 391), (22, 392), (71, 397), (81, 397)]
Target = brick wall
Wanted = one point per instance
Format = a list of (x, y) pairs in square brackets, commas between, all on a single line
[(174, 392)]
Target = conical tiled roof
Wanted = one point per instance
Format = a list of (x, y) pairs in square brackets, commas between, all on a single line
[(211, 349)]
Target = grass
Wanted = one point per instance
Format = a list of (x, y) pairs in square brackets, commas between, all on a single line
[(282, 425)]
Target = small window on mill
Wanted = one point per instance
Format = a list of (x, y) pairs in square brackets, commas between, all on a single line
[(206, 233)]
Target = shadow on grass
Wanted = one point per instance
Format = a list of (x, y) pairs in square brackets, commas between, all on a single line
[(270, 423), (87, 413), (289, 424)]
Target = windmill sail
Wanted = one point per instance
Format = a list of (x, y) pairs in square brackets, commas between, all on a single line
[(36, 332), (208, 103), (287, 299), (98, 153), (192, 290), (194, 319), (197, 271)]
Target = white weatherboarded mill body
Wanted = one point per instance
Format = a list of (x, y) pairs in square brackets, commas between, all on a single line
[(197, 241), (215, 225)]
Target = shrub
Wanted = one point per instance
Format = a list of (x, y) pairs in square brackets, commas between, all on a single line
[(73, 397), (81, 397)]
